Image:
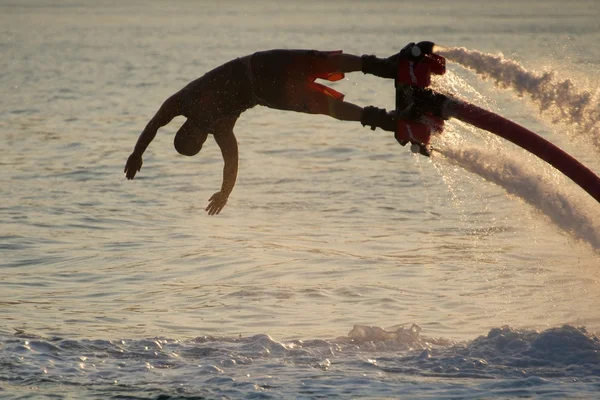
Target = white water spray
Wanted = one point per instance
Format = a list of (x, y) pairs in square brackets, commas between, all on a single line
[(558, 98), (565, 208)]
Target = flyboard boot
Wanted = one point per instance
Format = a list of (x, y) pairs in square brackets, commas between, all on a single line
[(418, 112)]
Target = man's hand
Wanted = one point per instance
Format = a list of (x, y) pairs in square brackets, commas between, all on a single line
[(133, 165), (216, 203)]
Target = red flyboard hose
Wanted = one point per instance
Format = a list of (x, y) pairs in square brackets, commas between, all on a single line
[(529, 141)]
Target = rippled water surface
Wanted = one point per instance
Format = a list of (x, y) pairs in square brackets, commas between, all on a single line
[(343, 265)]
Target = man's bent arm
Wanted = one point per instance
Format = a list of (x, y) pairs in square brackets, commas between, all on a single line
[(166, 113), (229, 150)]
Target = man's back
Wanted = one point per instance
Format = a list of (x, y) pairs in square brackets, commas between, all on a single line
[(225, 91)]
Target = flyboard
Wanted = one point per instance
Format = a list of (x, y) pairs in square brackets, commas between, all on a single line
[(420, 111)]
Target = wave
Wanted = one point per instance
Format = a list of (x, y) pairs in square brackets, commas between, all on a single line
[(259, 366), (550, 350), (505, 352)]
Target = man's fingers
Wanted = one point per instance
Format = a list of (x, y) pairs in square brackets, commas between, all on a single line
[(216, 204), (214, 208)]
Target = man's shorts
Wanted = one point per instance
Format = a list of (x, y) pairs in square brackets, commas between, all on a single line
[(285, 79)]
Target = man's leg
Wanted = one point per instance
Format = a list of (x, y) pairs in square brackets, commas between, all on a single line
[(345, 111), (317, 102), (349, 63), (368, 116), (368, 64), (301, 94)]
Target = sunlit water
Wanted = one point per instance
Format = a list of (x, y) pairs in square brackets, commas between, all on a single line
[(343, 265)]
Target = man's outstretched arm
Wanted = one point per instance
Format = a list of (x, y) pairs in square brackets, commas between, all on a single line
[(166, 113), (229, 150)]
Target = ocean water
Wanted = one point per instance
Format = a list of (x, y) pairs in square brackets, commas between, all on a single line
[(343, 266)]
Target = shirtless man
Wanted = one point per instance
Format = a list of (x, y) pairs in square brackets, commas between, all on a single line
[(279, 79)]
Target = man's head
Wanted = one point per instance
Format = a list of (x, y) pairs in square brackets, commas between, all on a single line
[(189, 139)]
